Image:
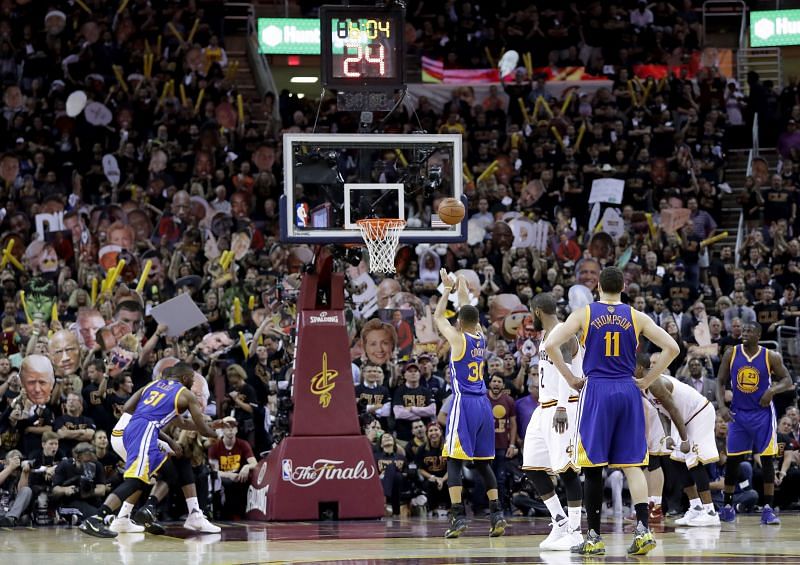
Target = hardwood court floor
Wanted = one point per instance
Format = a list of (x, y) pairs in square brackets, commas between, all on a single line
[(404, 541)]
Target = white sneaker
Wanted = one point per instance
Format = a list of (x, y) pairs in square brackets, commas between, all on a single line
[(691, 514), (126, 526), (557, 532), (568, 541), (710, 518), (199, 523)]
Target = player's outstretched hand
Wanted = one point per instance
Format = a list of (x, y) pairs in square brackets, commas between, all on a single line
[(560, 422), (216, 424), (449, 281)]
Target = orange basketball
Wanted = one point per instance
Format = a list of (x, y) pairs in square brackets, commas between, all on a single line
[(451, 211)]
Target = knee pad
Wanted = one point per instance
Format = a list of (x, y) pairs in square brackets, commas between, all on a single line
[(572, 484), (454, 468), (700, 477), (541, 480), (185, 474), (768, 469), (655, 463), (485, 471)]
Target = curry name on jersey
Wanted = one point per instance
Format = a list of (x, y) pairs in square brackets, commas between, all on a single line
[(466, 372)]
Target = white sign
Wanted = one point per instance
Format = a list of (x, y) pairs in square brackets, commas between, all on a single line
[(97, 114), (607, 190), (111, 169), (324, 469), (179, 314), (612, 223), (54, 222)]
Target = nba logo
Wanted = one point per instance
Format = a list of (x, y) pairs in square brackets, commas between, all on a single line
[(286, 470), (301, 215)]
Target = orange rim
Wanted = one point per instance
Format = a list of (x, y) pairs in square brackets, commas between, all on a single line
[(376, 228)]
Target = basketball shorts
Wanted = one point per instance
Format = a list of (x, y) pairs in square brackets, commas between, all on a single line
[(656, 438), (545, 449), (611, 425), (144, 457), (753, 431), (700, 433), (470, 428)]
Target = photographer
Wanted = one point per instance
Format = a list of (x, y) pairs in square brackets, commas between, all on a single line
[(15, 494), (80, 483), (43, 468)]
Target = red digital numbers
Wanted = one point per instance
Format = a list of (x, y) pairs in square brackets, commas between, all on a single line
[(365, 53)]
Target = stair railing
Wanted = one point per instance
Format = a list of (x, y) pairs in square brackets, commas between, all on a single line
[(259, 65)]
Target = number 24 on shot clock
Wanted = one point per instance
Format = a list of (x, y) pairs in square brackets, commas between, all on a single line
[(362, 47)]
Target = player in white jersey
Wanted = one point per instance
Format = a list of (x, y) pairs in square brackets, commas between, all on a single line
[(693, 421), (550, 437), (657, 449)]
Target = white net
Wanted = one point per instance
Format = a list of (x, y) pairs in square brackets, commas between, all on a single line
[(381, 236)]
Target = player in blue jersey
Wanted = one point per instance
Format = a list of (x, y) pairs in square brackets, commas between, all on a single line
[(470, 425), (611, 423), (751, 370), (157, 404)]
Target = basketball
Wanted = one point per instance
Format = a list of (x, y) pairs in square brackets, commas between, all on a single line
[(451, 211)]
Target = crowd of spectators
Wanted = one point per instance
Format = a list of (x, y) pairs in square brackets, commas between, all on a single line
[(197, 180)]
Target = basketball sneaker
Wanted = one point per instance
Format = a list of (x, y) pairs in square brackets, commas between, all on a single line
[(656, 513), (197, 522), (691, 514), (727, 513), (768, 517), (499, 524), (559, 529), (146, 515), (705, 518), (643, 541), (592, 545), (94, 526), (458, 521), (568, 541), (125, 525)]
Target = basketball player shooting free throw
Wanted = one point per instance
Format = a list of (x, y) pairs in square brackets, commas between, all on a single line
[(611, 423), (470, 425)]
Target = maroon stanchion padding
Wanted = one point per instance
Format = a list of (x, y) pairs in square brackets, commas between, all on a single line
[(326, 462)]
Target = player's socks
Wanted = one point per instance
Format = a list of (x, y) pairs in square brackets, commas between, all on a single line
[(727, 498), (192, 504), (574, 517), (768, 500), (105, 511), (695, 503), (654, 499), (152, 501), (642, 513), (709, 507), (125, 511), (556, 510)]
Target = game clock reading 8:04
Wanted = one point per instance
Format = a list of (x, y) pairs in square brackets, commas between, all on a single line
[(362, 47)]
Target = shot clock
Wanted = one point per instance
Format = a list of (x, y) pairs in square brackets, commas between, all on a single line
[(362, 47)]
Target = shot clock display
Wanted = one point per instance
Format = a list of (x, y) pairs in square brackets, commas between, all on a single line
[(362, 47)]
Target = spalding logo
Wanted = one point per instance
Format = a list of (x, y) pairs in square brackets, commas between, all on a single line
[(323, 318)]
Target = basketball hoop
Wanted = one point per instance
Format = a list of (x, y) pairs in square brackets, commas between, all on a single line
[(381, 236)]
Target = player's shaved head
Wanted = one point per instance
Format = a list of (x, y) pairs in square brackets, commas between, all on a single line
[(545, 302), (643, 360), (612, 280), (468, 315)]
